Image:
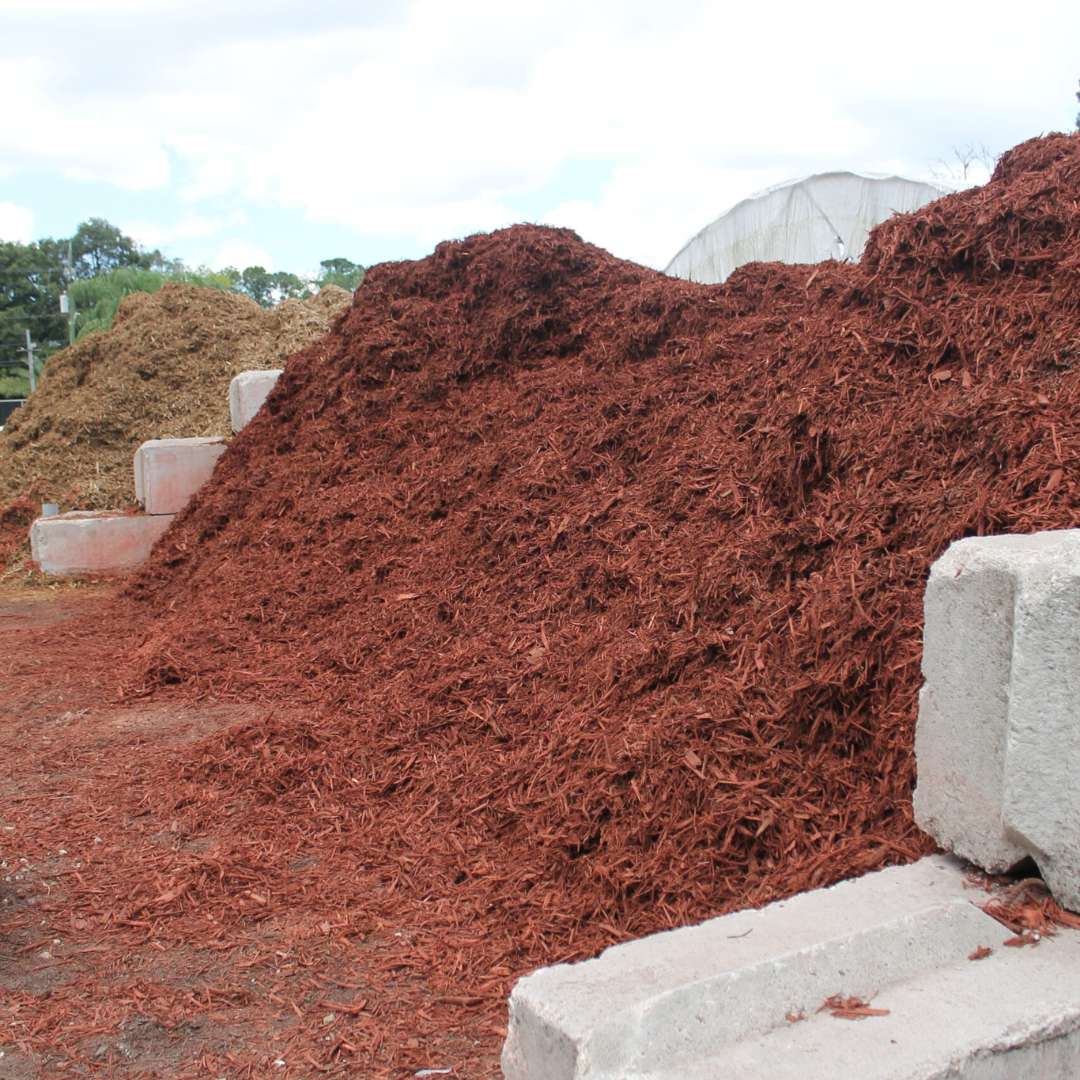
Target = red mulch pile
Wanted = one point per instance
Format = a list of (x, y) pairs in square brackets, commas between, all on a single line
[(595, 596)]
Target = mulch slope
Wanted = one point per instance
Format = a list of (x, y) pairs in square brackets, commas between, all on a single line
[(610, 585), (594, 597)]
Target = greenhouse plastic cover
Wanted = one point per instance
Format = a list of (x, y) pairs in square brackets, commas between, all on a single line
[(827, 216)]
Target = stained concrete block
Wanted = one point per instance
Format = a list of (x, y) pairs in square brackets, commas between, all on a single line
[(1041, 810), (169, 471), (719, 999), (84, 543), (997, 743), (1012, 1016), (964, 704), (247, 392), (683, 994)]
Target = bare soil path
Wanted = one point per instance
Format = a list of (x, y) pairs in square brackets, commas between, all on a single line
[(93, 983)]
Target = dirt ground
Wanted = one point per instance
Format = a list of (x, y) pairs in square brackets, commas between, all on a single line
[(88, 990)]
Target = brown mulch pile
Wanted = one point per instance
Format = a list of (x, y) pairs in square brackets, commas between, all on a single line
[(161, 371), (15, 518), (582, 602)]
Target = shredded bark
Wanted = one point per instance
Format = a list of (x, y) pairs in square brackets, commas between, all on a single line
[(850, 1008), (1028, 909)]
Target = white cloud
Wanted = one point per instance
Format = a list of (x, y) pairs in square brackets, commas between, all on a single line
[(80, 136), (648, 209), (152, 234), (75, 7), (240, 254), (16, 223), (439, 119)]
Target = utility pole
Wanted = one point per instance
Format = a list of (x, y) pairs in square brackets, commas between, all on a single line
[(30, 362), (71, 300)]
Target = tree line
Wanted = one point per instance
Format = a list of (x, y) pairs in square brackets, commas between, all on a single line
[(95, 269)]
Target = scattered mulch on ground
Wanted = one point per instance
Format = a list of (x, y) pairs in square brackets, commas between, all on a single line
[(577, 602), (1027, 908), (161, 371), (87, 985)]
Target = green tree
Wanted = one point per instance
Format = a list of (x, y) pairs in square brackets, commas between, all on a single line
[(98, 298), (267, 288), (288, 286), (258, 283), (99, 247), (31, 280), (230, 273), (342, 272)]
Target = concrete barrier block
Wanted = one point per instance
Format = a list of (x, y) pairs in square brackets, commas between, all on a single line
[(683, 994), (964, 704), (1011, 1016), (1041, 810), (998, 734), (741, 995), (247, 392), (169, 471), (84, 543)]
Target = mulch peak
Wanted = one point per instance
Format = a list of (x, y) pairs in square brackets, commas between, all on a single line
[(606, 587)]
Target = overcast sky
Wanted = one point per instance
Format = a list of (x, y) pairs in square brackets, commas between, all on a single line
[(283, 133)]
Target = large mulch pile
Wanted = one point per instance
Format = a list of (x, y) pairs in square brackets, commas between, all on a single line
[(581, 602), (161, 371)]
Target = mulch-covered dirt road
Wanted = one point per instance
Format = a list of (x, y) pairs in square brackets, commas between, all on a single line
[(104, 989)]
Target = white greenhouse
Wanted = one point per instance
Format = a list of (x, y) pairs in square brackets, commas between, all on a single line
[(827, 216)]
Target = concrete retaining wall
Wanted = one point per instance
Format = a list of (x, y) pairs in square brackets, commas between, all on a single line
[(84, 543), (998, 737), (168, 472), (247, 392), (742, 995)]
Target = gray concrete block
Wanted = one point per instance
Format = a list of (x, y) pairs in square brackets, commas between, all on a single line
[(1012, 1016), (997, 743), (682, 994), (717, 999), (1041, 809), (169, 471), (960, 736), (247, 392), (85, 543)]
